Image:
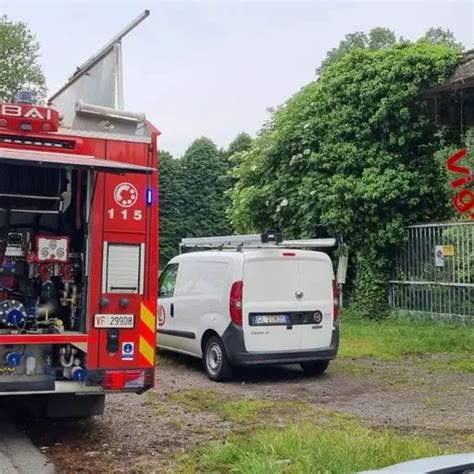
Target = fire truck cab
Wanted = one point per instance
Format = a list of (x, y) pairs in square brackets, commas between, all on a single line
[(78, 255)]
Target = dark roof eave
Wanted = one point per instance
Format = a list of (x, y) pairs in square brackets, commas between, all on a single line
[(460, 84), (462, 77)]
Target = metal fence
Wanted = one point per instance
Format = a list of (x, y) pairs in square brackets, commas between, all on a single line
[(434, 273)]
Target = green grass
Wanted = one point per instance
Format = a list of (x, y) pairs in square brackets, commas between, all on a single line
[(152, 402), (345, 366), (395, 338), (240, 411), (196, 400), (263, 411), (406, 374), (398, 378), (244, 410), (432, 402), (458, 365), (341, 445), (305, 440)]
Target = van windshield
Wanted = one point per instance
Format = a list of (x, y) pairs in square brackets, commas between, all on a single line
[(167, 282)]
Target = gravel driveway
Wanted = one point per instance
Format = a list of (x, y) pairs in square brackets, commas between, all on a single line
[(144, 433)]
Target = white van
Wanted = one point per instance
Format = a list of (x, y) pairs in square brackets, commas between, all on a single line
[(250, 307)]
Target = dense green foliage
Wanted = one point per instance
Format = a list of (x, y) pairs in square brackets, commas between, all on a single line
[(381, 38), (192, 195), (19, 68), (354, 150)]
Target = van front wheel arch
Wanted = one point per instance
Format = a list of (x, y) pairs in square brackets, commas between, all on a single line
[(215, 360)]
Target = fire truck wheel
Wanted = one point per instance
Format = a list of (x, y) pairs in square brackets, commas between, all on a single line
[(70, 405), (315, 368), (215, 360)]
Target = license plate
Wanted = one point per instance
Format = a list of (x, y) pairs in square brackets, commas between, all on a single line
[(124, 321), (270, 319)]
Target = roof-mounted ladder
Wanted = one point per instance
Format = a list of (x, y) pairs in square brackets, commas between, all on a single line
[(253, 241)]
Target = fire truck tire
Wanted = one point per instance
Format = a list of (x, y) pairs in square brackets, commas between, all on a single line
[(215, 360), (69, 405)]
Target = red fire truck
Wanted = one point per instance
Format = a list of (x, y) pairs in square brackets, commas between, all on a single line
[(78, 255)]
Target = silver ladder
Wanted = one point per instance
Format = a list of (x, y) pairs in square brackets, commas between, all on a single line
[(253, 241)]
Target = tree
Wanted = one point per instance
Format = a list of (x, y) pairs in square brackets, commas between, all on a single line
[(172, 195), (242, 142), (19, 68), (193, 195), (441, 36), (205, 182), (236, 152), (378, 38), (350, 42), (353, 150), (381, 38)]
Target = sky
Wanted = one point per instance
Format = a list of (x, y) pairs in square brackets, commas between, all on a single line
[(215, 68)]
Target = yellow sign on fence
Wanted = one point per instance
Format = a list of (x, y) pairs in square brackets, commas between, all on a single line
[(448, 250)]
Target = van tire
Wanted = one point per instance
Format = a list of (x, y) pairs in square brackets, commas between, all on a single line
[(316, 367), (215, 360)]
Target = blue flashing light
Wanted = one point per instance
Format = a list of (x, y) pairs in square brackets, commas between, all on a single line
[(149, 196)]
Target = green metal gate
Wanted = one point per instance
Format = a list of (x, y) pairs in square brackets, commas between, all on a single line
[(434, 273)]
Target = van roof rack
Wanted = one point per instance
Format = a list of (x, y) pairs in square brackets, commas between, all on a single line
[(253, 241)]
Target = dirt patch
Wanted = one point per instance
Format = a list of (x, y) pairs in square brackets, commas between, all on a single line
[(145, 433)]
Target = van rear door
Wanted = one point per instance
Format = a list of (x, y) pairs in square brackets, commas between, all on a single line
[(315, 282), (271, 281)]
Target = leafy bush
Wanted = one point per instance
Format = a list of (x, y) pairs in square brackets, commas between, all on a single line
[(354, 150)]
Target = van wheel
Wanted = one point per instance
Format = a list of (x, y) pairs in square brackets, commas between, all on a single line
[(316, 367), (215, 360)]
